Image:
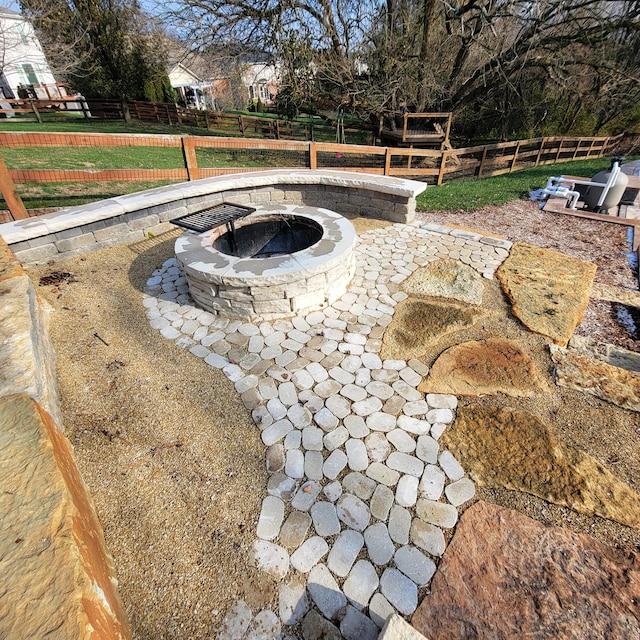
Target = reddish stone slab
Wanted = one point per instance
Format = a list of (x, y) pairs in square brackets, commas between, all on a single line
[(507, 576)]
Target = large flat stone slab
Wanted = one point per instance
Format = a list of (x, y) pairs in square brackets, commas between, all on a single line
[(507, 576), (548, 290), (579, 371), (484, 367), (446, 279), (504, 447), (27, 358), (57, 579), (418, 323)]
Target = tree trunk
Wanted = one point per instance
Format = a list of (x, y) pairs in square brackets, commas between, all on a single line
[(125, 111)]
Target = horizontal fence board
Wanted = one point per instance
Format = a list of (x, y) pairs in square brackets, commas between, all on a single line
[(37, 139), (415, 171), (241, 143), (92, 175)]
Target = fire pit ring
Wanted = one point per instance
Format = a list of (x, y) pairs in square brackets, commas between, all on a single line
[(290, 259)]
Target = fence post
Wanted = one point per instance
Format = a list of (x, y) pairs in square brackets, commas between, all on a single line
[(484, 157), (559, 150), (35, 111), (540, 151), (387, 161), (443, 164), (313, 156), (85, 108), (10, 195), (575, 151), (515, 156), (190, 159)]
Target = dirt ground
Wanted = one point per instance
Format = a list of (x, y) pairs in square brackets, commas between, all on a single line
[(174, 461)]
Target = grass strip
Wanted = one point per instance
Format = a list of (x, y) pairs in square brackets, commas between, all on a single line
[(497, 190)]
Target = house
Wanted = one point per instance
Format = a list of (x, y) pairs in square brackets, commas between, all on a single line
[(225, 81), (24, 70), (261, 80), (193, 91)]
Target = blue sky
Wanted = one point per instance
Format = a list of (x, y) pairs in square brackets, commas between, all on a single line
[(6, 4)]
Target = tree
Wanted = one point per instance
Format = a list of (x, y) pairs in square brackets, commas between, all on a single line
[(503, 67), (492, 61), (113, 51)]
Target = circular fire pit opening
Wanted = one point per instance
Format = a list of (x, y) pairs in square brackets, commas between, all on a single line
[(271, 237), (281, 260)]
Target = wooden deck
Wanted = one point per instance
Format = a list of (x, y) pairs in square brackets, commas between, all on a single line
[(421, 130)]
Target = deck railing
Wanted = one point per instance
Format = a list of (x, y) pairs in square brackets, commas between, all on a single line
[(206, 156)]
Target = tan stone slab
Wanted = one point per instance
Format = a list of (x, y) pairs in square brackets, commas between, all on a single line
[(57, 579), (610, 293), (504, 447), (419, 323), (446, 279), (396, 628), (578, 371), (27, 358), (10, 266), (548, 290), (484, 367), (506, 576)]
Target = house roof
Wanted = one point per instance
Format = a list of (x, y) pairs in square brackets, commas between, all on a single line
[(5, 11)]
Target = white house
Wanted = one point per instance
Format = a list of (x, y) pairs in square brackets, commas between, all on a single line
[(24, 70), (192, 90), (261, 80)]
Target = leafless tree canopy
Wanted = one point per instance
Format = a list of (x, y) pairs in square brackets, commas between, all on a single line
[(501, 65)]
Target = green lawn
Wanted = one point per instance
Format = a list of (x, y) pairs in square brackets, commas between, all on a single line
[(74, 125), (473, 194), (93, 158)]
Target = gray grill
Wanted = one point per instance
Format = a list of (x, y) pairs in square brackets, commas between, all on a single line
[(225, 213)]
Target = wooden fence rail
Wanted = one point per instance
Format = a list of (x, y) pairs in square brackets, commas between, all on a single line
[(231, 124), (207, 156)]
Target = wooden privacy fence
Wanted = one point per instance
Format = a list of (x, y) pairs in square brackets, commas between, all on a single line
[(206, 156)]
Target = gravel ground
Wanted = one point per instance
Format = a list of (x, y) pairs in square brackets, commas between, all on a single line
[(173, 460)]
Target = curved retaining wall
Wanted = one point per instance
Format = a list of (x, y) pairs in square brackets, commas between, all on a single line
[(132, 217)]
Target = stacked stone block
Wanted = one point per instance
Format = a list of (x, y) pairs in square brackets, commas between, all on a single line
[(135, 217)]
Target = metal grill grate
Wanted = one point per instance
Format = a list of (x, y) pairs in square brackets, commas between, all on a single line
[(224, 213)]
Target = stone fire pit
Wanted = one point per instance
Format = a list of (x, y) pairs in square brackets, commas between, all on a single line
[(284, 260)]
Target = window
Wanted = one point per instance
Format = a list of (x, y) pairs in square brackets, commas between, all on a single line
[(30, 73)]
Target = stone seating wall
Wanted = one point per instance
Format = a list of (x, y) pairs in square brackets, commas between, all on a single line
[(133, 217), (58, 579)]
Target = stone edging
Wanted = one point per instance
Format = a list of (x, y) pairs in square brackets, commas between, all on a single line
[(50, 536), (133, 217)]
